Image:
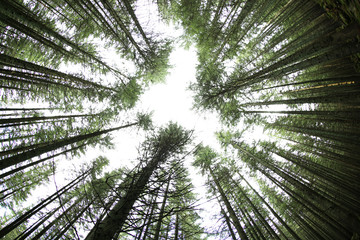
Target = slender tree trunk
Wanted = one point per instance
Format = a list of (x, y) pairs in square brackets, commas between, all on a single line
[(283, 223), (15, 170), (71, 223), (7, 229), (53, 222), (229, 208), (10, 161), (117, 216), (227, 220), (177, 227), (31, 119), (150, 217), (161, 215)]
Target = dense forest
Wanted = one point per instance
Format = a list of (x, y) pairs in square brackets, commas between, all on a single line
[(289, 67)]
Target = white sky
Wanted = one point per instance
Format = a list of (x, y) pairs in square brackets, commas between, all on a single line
[(173, 102)]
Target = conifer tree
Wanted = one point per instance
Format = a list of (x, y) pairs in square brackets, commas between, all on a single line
[(168, 143)]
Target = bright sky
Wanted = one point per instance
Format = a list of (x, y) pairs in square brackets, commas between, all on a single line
[(173, 102)]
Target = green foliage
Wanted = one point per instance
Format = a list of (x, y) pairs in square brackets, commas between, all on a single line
[(144, 120), (345, 11), (204, 157)]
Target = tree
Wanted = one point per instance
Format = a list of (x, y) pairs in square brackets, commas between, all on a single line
[(204, 158), (168, 142)]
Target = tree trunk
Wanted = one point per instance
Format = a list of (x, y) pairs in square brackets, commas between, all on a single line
[(10, 161), (229, 208), (161, 215), (7, 229), (227, 220), (117, 216)]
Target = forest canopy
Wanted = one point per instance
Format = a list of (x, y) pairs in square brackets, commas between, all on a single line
[(289, 68)]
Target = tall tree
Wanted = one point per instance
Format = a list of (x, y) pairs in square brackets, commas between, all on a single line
[(168, 142), (204, 158)]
